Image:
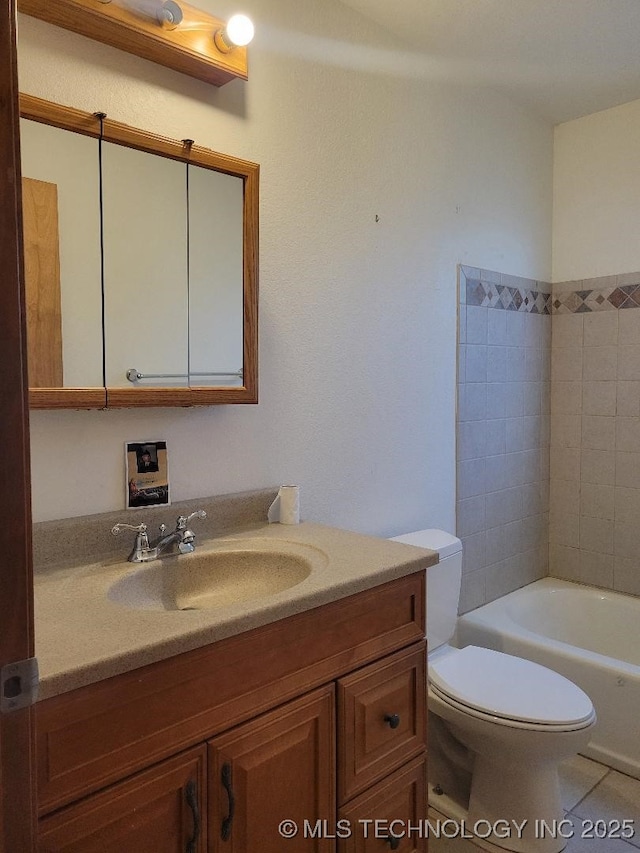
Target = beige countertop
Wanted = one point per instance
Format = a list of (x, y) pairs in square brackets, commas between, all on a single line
[(85, 634)]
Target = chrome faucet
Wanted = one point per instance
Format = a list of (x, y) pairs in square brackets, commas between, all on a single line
[(181, 540)]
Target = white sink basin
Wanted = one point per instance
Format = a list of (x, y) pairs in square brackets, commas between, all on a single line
[(227, 572)]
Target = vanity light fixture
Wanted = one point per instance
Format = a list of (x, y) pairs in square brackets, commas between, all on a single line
[(168, 32)]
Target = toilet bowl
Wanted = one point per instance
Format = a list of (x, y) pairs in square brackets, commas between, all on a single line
[(500, 725)]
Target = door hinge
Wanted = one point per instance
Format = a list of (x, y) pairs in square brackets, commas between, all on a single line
[(18, 685)]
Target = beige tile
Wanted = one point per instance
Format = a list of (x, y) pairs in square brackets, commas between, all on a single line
[(497, 328), (497, 473), (515, 328), (628, 399), (565, 430), (629, 362), (566, 364), (496, 393), (474, 551), (566, 398), (627, 505), (628, 434), (596, 569), (470, 516), (514, 400), (564, 562), (598, 467), (616, 797), (597, 501), (584, 840), (472, 440), (514, 435), (472, 401), (565, 463), (598, 433), (600, 363), (532, 499), (629, 327), (477, 324), (627, 540), (564, 497), (567, 330), (472, 591), (495, 547), (601, 329), (476, 363), (462, 364), (532, 396), (564, 529), (578, 775), (599, 398), (628, 470), (471, 478), (504, 506), (626, 575), (596, 534)]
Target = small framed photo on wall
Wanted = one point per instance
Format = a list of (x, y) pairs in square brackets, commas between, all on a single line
[(147, 474)]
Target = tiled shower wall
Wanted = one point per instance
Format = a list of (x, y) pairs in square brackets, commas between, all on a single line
[(595, 432), (503, 426)]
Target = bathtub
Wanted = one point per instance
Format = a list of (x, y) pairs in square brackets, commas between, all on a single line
[(591, 636)]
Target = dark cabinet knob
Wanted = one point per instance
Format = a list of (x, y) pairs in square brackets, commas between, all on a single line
[(394, 722)]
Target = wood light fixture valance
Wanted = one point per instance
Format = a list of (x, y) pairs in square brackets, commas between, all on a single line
[(168, 32)]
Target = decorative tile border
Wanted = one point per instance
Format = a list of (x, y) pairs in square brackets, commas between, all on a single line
[(601, 295), (489, 289)]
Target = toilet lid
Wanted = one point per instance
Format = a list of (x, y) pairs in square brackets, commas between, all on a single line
[(509, 687)]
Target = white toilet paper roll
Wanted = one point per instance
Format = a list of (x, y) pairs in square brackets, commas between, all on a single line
[(286, 507)]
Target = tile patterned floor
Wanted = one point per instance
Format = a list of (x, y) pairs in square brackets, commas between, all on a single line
[(590, 792)]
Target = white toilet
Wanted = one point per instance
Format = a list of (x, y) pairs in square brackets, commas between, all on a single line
[(499, 725)]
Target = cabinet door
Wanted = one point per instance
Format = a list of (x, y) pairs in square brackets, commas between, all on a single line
[(157, 811), (280, 766), (390, 816)]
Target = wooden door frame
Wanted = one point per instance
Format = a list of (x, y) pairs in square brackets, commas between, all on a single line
[(17, 778)]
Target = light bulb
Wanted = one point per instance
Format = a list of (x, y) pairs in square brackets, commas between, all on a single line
[(239, 30), (237, 33)]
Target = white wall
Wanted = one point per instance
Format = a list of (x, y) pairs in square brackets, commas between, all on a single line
[(597, 194), (357, 317)]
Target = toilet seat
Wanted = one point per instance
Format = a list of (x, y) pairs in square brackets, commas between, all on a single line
[(509, 690)]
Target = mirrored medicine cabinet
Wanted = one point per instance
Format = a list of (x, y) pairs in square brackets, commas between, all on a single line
[(140, 265)]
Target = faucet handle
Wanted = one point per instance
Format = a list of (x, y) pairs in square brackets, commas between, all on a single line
[(183, 520), (115, 530)]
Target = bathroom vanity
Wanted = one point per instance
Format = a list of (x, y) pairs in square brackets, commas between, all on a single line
[(316, 716)]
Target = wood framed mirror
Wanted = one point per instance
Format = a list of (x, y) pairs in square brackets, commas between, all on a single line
[(141, 257)]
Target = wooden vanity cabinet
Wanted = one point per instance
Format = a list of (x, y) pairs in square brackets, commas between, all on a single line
[(315, 717)]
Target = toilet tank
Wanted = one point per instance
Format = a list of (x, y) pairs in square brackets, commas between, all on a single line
[(443, 582)]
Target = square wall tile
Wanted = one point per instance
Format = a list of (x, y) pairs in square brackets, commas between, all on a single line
[(565, 463), (470, 516), (497, 327), (596, 534), (472, 439), (566, 398), (598, 467), (600, 363), (566, 364), (596, 569), (472, 401), (566, 430), (476, 324), (597, 501), (476, 363), (564, 529), (599, 398), (601, 329), (629, 362), (598, 433), (627, 505), (629, 327), (472, 591), (567, 330), (628, 470), (564, 562), (628, 399), (626, 575), (626, 541), (471, 478), (628, 434)]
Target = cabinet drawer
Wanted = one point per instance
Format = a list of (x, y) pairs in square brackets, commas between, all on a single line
[(381, 719), (399, 805), (161, 810)]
